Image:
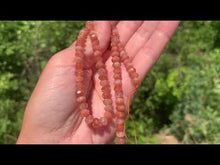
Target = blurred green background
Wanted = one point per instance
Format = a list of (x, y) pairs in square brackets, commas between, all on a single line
[(178, 102)]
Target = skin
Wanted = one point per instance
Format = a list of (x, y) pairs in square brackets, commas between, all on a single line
[(52, 115)]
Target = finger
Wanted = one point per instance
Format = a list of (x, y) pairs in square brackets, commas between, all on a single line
[(126, 29), (140, 37), (151, 51)]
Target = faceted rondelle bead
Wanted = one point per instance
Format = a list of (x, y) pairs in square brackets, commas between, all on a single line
[(104, 121), (80, 93), (81, 99), (99, 64), (120, 121), (104, 83), (107, 101), (120, 127), (85, 112), (119, 100), (97, 53), (95, 123), (120, 134), (108, 108), (120, 108), (89, 119), (120, 114), (108, 115), (83, 106)]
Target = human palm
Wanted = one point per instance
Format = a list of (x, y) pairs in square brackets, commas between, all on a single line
[(52, 114)]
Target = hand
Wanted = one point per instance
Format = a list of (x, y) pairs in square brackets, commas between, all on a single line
[(52, 114)]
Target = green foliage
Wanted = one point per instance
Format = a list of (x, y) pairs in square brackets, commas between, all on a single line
[(180, 94)]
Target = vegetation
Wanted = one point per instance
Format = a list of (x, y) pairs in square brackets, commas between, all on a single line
[(180, 95)]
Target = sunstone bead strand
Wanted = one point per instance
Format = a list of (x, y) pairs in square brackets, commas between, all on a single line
[(119, 99), (124, 58), (79, 72), (104, 82)]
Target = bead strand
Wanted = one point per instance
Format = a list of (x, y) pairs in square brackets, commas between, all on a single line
[(80, 87), (127, 62), (104, 82), (119, 99)]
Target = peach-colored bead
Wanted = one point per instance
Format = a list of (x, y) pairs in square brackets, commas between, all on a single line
[(120, 108), (97, 53), (117, 76), (117, 70), (84, 112), (120, 114), (120, 141), (104, 83), (120, 134), (119, 94), (89, 119), (79, 73), (115, 53), (106, 89), (106, 95), (93, 36), (115, 59), (114, 48), (103, 77), (107, 101), (83, 106), (108, 115), (95, 123), (134, 75), (80, 86), (117, 88), (99, 64), (119, 100), (81, 99), (120, 127), (116, 64), (80, 93), (127, 61), (95, 42), (96, 47), (101, 71), (131, 70), (120, 121), (104, 121), (108, 108), (118, 82)]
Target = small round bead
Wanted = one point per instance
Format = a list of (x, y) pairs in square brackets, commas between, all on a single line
[(114, 48), (117, 76), (119, 94), (95, 42), (133, 75), (104, 83), (120, 134), (93, 36), (83, 106), (97, 53), (118, 88), (108, 115), (99, 64), (127, 61), (95, 47), (103, 77), (79, 73), (120, 108), (81, 99), (118, 82), (120, 121), (108, 108), (102, 71), (115, 53), (116, 64), (80, 93), (106, 89), (107, 101), (120, 115), (115, 59), (119, 100), (120, 127), (104, 121), (120, 141), (95, 123), (106, 95), (132, 70), (84, 112), (79, 65), (89, 119), (117, 70), (80, 86)]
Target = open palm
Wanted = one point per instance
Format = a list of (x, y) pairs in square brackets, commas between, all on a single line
[(52, 114)]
